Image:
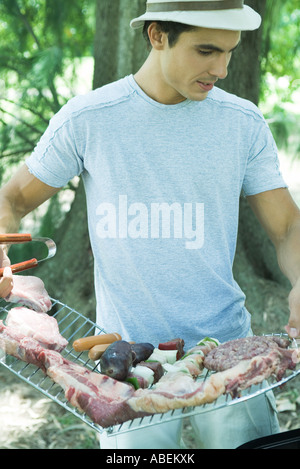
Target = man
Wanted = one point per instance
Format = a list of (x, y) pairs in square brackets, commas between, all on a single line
[(165, 155)]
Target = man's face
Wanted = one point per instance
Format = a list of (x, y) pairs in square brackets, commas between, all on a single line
[(192, 66)]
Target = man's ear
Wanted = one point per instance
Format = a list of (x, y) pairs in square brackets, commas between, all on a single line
[(157, 37)]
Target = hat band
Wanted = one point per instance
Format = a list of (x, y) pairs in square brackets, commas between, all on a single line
[(195, 6)]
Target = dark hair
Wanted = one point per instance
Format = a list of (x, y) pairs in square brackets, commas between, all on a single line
[(171, 28)]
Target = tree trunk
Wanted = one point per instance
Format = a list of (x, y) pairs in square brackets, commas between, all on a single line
[(118, 52), (244, 70)]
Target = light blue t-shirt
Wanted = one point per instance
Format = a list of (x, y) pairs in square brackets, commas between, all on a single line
[(163, 184)]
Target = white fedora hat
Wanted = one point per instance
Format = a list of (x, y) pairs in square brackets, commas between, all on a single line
[(213, 14)]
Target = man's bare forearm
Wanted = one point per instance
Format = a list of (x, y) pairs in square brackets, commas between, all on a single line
[(20, 196), (288, 252), (10, 218), (9, 222)]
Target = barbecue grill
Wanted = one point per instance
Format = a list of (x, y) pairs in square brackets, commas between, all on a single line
[(74, 325), (285, 440)]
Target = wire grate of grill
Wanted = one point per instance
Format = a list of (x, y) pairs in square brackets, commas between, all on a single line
[(74, 325)]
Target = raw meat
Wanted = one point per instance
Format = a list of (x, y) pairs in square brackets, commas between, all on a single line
[(109, 402), (156, 367), (231, 353), (174, 344), (179, 390), (19, 346), (40, 326), (30, 291), (257, 369), (103, 399), (241, 368)]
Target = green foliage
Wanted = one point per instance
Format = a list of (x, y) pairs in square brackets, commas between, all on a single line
[(42, 42), (281, 45), (40, 38), (280, 72)]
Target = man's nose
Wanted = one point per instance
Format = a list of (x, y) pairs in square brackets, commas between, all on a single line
[(219, 68)]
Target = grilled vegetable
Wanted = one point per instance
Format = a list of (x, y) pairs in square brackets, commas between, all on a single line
[(209, 339), (141, 352), (116, 360), (163, 356), (145, 373), (133, 380)]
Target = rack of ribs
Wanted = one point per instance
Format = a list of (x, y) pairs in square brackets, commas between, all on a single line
[(103, 399)]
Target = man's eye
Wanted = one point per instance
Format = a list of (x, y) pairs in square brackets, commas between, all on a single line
[(205, 52)]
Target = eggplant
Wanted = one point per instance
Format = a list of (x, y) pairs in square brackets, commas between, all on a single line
[(116, 360), (141, 352)]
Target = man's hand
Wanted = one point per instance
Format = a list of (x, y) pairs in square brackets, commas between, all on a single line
[(22, 194), (6, 282), (293, 327)]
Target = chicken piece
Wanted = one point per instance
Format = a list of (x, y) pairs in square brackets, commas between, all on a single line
[(39, 326), (30, 291)]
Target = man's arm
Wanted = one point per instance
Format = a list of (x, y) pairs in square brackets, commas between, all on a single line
[(22, 194), (280, 216)]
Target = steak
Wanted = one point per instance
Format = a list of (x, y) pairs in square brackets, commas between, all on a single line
[(230, 353)]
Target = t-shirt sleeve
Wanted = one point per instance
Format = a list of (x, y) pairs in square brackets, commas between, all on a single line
[(263, 167), (56, 159)]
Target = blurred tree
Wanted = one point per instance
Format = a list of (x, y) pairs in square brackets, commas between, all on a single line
[(43, 42), (280, 72), (280, 55), (40, 40)]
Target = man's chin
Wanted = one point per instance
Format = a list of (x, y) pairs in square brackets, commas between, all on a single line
[(198, 96)]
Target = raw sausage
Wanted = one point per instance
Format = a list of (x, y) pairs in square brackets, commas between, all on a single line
[(86, 343)]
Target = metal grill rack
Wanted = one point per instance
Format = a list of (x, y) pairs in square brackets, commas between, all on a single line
[(74, 325)]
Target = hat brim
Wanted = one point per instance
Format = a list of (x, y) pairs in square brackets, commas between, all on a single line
[(238, 19)]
